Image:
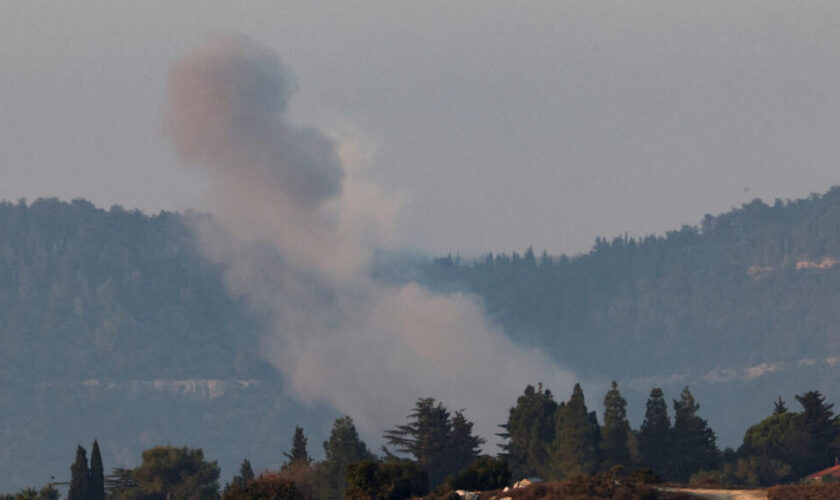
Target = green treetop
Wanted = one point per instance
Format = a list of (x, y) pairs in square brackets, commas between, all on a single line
[(529, 432), (616, 430), (576, 439), (655, 433)]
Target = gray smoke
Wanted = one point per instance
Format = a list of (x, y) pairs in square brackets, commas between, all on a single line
[(296, 232)]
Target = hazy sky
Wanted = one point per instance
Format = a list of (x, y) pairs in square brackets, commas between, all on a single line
[(499, 124)]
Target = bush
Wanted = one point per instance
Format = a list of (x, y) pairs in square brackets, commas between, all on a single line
[(386, 481), (486, 473), (270, 486)]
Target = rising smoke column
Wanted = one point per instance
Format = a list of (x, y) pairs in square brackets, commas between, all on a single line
[(281, 196)]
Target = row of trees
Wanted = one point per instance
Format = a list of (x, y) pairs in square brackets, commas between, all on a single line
[(437, 448), (562, 440)]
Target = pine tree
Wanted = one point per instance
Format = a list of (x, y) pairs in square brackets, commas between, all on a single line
[(779, 407), (576, 439), (616, 430), (343, 448), (426, 437), (246, 473), (529, 432), (464, 446), (819, 425), (692, 441), (298, 456), (655, 433), (79, 477), (96, 484)]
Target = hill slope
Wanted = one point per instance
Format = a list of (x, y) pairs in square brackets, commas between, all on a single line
[(114, 326), (743, 307)]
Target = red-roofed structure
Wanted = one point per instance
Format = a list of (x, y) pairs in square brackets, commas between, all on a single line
[(830, 472)]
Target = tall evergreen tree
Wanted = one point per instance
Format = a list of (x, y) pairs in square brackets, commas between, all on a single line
[(655, 433), (343, 448), (298, 455), (529, 432), (96, 484), (79, 477), (246, 473), (616, 430), (464, 446), (426, 437), (576, 439), (692, 441), (779, 407), (819, 425)]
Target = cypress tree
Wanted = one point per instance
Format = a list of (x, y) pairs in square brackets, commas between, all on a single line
[(655, 433), (96, 484), (79, 477), (616, 430), (576, 439)]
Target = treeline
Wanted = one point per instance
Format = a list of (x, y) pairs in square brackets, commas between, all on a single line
[(562, 440), (436, 451), (737, 289)]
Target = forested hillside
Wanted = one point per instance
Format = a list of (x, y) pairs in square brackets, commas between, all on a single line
[(755, 285), (749, 298), (113, 326), (113, 295)]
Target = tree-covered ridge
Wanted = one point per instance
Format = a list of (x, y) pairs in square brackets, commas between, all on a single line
[(754, 285), (89, 294)]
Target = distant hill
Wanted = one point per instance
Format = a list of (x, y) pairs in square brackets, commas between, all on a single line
[(112, 325), (742, 307)]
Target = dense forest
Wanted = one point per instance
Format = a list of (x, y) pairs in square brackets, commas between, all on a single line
[(747, 298), (115, 327), (754, 285)]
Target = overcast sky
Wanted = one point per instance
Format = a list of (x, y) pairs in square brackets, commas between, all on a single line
[(500, 124)]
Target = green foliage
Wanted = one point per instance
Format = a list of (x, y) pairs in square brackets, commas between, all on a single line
[(692, 442), (725, 293), (807, 441), (438, 443), (615, 434), (386, 481), (464, 446), (174, 473), (529, 432), (266, 487), (486, 473), (343, 448), (298, 455), (576, 439), (779, 407), (655, 433), (79, 477), (96, 484), (820, 429), (245, 476)]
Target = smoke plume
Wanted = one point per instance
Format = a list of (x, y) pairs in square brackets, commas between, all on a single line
[(296, 232)]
